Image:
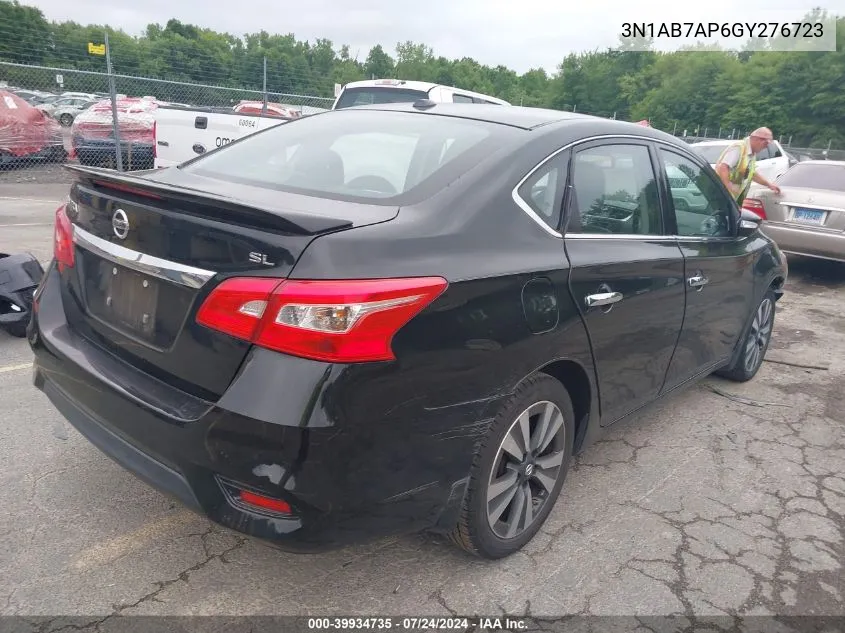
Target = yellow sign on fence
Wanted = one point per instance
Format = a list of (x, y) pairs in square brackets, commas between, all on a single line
[(96, 49)]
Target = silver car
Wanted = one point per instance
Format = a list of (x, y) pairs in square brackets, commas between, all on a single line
[(808, 217), (65, 109)]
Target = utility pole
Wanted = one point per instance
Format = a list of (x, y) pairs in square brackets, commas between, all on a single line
[(118, 152)]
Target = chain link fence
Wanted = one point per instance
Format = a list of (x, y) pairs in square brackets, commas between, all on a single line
[(50, 116)]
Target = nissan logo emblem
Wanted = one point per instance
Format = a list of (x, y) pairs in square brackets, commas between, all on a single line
[(120, 224)]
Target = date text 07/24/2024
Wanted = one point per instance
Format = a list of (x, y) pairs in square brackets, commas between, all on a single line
[(810, 30)]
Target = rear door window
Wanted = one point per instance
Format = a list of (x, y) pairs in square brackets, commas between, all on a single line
[(615, 191)]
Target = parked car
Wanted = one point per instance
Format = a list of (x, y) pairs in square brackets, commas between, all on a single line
[(27, 134), (772, 161), (375, 91), (808, 217), (397, 318), (65, 109), (92, 133), (35, 97)]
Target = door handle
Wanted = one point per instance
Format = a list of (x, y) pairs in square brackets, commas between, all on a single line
[(698, 281), (602, 299)]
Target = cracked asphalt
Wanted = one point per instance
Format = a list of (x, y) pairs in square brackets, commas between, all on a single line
[(723, 499)]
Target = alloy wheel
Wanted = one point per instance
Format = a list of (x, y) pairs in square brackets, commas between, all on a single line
[(758, 337), (526, 469)]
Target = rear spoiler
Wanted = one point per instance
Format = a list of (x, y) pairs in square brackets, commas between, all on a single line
[(260, 213)]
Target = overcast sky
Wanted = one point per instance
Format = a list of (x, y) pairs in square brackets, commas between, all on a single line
[(520, 34)]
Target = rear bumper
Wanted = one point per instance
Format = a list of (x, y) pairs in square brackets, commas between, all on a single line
[(350, 472), (807, 241)]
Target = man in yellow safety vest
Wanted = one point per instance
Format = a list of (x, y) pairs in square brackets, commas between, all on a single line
[(738, 164)]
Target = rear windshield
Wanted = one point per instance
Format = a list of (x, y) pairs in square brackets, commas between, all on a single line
[(355, 154), (368, 96), (815, 176), (710, 153)]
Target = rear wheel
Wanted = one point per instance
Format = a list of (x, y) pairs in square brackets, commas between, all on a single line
[(755, 343), (518, 472)]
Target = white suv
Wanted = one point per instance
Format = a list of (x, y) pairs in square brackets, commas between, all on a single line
[(771, 161), (358, 93)]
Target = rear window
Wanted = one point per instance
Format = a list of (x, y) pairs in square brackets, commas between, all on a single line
[(369, 96), (817, 176), (355, 154), (710, 153)]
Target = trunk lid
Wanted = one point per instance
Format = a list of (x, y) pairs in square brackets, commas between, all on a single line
[(807, 208), (149, 248)]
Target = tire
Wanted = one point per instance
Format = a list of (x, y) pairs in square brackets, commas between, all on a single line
[(474, 532), (757, 336), (66, 120)]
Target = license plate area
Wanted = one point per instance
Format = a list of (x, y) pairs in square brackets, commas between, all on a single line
[(128, 300), (813, 217), (141, 307)]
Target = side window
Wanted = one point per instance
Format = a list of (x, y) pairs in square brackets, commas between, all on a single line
[(456, 98), (764, 153), (541, 191), (701, 208), (774, 151), (615, 191)]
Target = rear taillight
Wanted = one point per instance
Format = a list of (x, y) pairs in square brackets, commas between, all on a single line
[(63, 240), (755, 206), (344, 321)]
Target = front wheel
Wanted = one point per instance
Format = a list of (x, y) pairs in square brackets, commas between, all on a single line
[(755, 343), (519, 470)]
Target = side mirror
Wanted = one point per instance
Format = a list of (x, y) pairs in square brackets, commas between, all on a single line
[(748, 223)]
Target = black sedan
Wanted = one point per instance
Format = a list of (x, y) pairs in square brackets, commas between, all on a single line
[(394, 318)]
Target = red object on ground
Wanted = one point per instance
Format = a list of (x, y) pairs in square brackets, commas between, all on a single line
[(273, 109), (24, 129)]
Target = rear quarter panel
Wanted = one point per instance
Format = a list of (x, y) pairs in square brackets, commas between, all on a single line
[(474, 344)]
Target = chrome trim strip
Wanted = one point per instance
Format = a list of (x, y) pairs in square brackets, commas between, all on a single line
[(141, 262), (522, 204), (621, 236)]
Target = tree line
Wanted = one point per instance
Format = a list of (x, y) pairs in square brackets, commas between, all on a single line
[(797, 94)]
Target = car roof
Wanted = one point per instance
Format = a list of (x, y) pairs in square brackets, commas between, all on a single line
[(420, 86), (424, 86), (523, 117)]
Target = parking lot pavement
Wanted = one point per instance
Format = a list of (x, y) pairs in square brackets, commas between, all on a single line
[(721, 499)]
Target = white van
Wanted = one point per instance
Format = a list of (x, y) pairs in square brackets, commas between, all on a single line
[(359, 93)]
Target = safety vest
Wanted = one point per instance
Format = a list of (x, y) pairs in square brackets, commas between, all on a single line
[(744, 170)]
